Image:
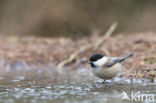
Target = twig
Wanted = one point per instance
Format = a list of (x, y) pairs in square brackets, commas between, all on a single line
[(85, 48), (106, 35)]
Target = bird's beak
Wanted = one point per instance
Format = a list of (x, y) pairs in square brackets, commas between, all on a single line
[(89, 62)]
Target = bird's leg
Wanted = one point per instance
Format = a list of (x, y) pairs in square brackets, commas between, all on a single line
[(99, 83), (110, 83), (103, 82)]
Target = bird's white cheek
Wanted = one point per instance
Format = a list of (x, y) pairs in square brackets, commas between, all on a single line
[(101, 61)]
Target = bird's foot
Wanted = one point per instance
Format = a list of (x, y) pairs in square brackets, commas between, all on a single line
[(108, 84), (100, 83), (104, 82)]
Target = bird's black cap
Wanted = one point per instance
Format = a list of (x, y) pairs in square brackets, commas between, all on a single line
[(95, 57)]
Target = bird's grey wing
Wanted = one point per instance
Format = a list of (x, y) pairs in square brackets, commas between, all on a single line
[(113, 60)]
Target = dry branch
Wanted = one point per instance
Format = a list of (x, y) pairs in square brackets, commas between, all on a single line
[(85, 48)]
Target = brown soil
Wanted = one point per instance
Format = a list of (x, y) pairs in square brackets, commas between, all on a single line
[(36, 50)]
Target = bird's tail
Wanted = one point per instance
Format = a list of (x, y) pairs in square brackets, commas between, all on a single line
[(125, 57)]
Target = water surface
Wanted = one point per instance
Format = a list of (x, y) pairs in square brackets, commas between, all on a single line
[(78, 86)]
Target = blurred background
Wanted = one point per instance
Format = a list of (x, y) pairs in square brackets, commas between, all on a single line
[(45, 46), (75, 17)]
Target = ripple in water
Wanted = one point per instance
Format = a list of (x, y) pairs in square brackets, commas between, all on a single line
[(76, 86)]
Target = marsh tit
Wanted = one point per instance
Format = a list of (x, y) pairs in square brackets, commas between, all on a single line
[(106, 67)]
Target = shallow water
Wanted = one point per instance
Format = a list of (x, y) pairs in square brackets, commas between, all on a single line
[(77, 86)]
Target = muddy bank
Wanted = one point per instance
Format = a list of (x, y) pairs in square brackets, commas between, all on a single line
[(46, 53)]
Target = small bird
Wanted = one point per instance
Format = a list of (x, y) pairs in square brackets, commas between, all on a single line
[(106, 67)]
